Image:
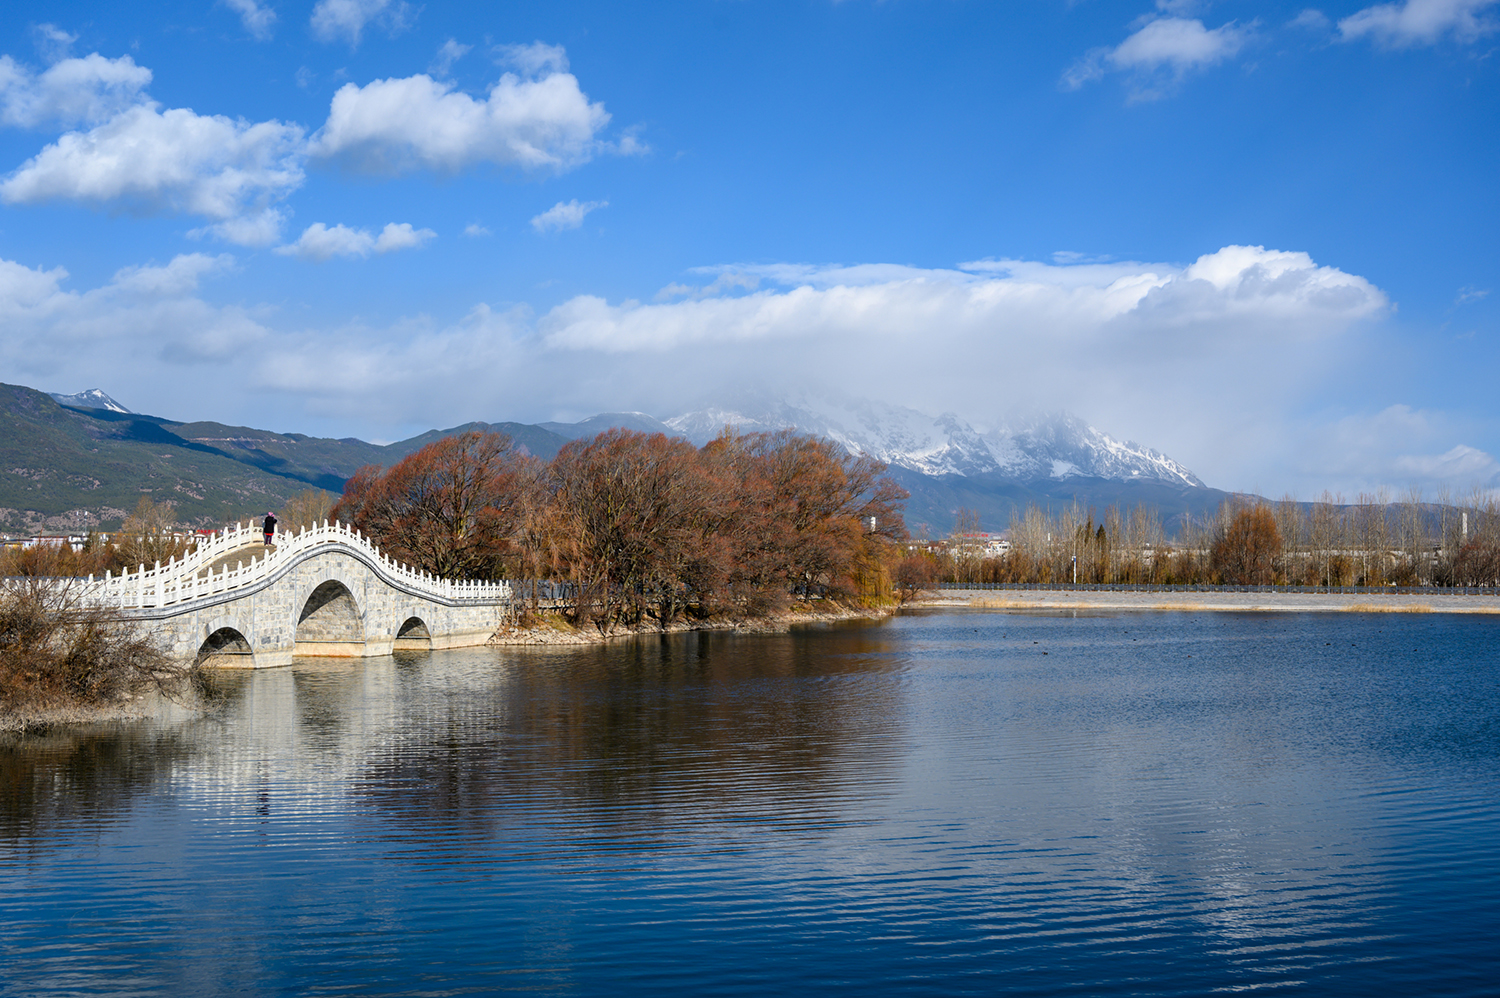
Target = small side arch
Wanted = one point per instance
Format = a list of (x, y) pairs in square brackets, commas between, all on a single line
[(225, 648), (413, 635)]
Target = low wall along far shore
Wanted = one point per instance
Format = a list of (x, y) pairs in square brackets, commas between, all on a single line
[(1218, 598)]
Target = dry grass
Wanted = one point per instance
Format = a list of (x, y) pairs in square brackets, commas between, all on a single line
[(1400, 608)]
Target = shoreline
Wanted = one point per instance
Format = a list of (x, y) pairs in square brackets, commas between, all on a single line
[(550, 633), (987, 599), (555, 633)]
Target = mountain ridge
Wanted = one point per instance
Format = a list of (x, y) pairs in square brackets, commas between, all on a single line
[(67, 467)]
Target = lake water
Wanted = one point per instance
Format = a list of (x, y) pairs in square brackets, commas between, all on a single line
[(943, 803)]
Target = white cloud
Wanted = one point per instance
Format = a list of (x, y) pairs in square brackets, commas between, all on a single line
[(401, 236), (180, 277), (398, 125), (533, 60), (257, 228), (1133, 346), (257, 18), (565, 215), (1420, 22), (167, 161), (125, 329), (1163, 51), (1217, 362), (345, 20), (1460, 464), (53, 42), (474, 230), (450, 52), (70, 92), (1311, 20), (1396, 448), (319, 242)]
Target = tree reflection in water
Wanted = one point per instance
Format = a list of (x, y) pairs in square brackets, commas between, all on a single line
[(641, 740), (78, 776), (644, 740)]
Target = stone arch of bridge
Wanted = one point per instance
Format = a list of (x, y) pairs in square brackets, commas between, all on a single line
[(413, 635), (225, 647), (329, 621)]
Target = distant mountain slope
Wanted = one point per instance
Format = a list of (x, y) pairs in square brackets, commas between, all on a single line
[(57, 462), (936, 499), (60, 462), (594, 425), (536, 440)]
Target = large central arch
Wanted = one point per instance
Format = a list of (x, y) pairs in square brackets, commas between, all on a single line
[(330, 623)]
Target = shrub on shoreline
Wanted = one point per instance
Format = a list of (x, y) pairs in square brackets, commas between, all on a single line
[(59, 653)]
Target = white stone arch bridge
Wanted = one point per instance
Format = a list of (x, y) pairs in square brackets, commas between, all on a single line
[(321, 591)]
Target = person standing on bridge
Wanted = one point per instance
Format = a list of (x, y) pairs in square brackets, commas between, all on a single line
[(269, 527)]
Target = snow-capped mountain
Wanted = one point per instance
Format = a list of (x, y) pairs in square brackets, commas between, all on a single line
[(1051, 446), (91, 399)]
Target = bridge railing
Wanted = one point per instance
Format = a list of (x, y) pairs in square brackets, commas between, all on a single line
[(183, 580)]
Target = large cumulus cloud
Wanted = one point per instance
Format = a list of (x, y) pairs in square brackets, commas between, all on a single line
[(1222, 362)]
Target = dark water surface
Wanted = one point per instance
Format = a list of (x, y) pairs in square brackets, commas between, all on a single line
[(945, 803)]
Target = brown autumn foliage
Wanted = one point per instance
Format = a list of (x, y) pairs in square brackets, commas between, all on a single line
[(643, 525), (1247, 551), (451, 508), (914, 574)]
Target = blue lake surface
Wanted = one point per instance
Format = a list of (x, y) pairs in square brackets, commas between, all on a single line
[(943, 803)]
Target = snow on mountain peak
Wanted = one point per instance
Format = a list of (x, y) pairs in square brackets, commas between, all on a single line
[(91, 399), (1044, 446)]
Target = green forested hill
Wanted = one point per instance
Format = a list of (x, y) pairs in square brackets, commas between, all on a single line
[(59, 462)]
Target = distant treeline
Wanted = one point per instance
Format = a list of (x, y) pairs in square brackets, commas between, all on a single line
[(1372, 542), (643, 525), (149, 535)]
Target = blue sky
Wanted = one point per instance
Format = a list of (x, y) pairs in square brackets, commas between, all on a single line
[(1259, 237)]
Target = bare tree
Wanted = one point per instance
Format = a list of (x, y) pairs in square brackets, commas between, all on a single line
[(307, 509), (149, 535)]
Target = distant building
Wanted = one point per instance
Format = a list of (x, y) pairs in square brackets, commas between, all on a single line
[(984, 545), (75, 541)]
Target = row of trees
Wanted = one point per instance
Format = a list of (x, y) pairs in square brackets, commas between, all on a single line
[(148, 535), (1370, 542), (643, 525)]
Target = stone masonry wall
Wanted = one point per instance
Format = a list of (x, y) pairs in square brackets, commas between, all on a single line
[(362, 624)]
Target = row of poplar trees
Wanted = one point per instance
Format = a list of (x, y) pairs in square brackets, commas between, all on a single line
[(1373, 541)]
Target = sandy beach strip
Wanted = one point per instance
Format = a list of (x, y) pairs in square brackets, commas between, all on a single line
[(1021, 599)]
